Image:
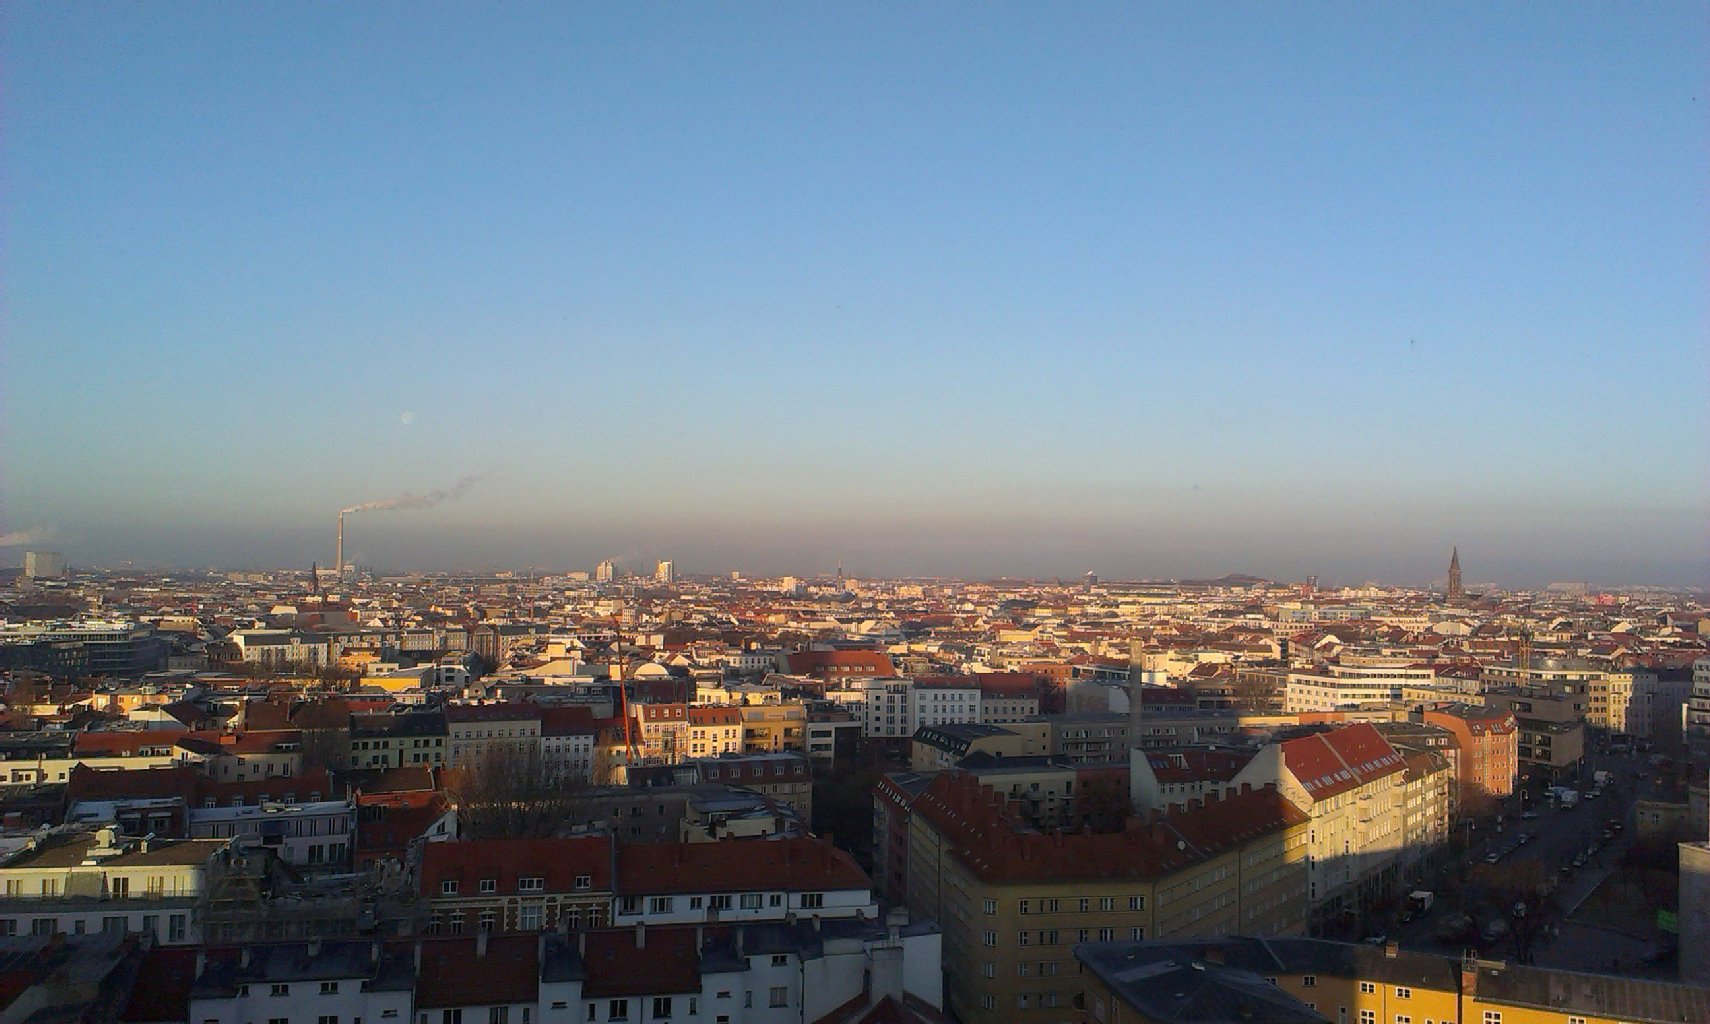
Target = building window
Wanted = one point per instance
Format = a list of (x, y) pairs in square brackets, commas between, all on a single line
[(1368, 987), (498, 1015), (448, 887), (990, 907), (1402, 992), (750, 901), (584, 881), (1136, 903), (988, 939), (329, 988), (279, 990), (661, 1007), (1308, 981), (533, 884), (1026, 906), (327, 1019), (778, 996), (1493, 1017), (530, 918), (489, 886), (660, 904), (1368, 1017), (988, 970), (617, 1009), (813, 900)]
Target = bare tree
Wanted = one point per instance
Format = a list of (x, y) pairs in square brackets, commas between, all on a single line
[(326, 748), (1516, 893), (512, 794)]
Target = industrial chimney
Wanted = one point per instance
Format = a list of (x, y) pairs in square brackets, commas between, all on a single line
[(338, 555)]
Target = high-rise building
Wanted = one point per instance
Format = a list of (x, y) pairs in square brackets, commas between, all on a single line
[(1455, 591), (44, 565), (663, 573), (605, 572)]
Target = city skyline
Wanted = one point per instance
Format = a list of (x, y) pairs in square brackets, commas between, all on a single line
[(1151, 292)]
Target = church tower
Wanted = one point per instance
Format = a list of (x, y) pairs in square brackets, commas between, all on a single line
[(1455, 591)]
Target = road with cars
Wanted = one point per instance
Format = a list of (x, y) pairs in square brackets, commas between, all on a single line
[(1577, 847)]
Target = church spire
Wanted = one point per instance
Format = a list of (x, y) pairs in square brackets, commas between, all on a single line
[(1455, 591)]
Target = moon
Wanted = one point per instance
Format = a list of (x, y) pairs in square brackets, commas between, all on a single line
[(407, 418)]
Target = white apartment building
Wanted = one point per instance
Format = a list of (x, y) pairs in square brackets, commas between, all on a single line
[(77, 882), (307, 835), (1335, 686), (893, 708), (1352, 783)]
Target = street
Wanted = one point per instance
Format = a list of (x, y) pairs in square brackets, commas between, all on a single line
[(1554, 839)]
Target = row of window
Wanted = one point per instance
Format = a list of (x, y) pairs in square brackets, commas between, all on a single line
[(530, 883), (1083, 905)]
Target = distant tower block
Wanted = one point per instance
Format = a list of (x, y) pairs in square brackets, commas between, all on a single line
[(664, 573), (605, 572), (1455, 591), (44, 565)]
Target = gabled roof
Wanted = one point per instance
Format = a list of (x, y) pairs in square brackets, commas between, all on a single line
[(455, 972), (795, 865), (640, 961), (557, 862), (1333, 762)]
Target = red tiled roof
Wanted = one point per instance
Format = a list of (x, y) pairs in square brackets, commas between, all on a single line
[(86, 783), (557, 861), (797, 865), (976, 822), (162, 990), (1329, 763), (841, 663), (127, 741), (567, 720), (639, 962), (715, 716), (452, 974), (512, 712)]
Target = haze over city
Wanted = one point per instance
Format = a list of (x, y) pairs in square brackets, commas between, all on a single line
[(965, 292)]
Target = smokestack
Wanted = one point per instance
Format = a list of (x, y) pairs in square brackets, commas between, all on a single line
[(338, 555)]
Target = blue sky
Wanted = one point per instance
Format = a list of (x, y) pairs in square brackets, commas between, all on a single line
[(952, 289)]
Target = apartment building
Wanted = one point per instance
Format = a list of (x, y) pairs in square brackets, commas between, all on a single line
[(75, 881), (944, 746), (1013, 902), (477, 732), (1487, 743), (894, 708), (411, 739), (700, 883), (516, 885), (1350, 782), (1335, 686), (714, 731), (773, 728), (1551, 725), (1314, 980), (315, 835)]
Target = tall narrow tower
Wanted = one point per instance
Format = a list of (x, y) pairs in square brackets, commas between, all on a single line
[(1455, 591)]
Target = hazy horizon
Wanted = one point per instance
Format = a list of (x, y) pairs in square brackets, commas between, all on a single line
[(962, 291)]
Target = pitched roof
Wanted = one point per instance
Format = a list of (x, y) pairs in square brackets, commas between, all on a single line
[(640, 961), (797, 864), (1333, 762), (454, 972), (558, 862)]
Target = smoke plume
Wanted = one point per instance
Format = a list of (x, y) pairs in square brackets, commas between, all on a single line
[(428, 500), (22, 538)]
